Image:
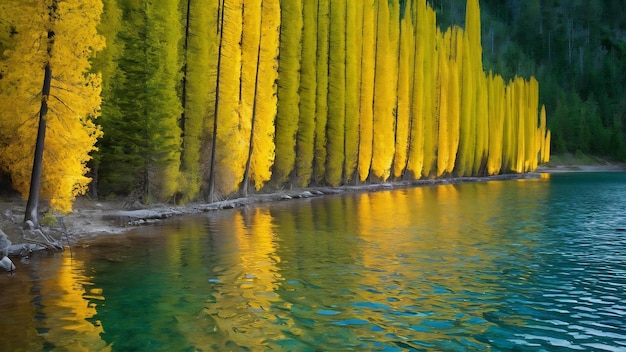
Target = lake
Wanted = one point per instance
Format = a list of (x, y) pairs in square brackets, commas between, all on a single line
[(527, 265)]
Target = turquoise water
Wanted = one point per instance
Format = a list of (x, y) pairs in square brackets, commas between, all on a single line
[(522, 265)]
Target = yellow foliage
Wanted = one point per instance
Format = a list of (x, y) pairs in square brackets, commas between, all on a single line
[(386, 75), (305, 139), (496, 123), (335, 127), (263, 147), (430, 112), (443, 146), (366, 112), (405, 85), (291, 23), (454, 96), (231, 151), (321, 115), (73, 103), (354, 47), (416, 140)]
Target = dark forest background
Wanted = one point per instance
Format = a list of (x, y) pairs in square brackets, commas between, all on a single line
[(577, 51)]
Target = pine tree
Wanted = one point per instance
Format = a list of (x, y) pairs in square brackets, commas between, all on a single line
[(105, 62), (163, 35)]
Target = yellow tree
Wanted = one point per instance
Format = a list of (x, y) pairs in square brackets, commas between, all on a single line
[(467, 142), (354, 47), (385, 88), (250, 59), (482, 126), (405, 86), (366, 98), (509, 139), (198, 97), (430, 96), (65, 109), (288, 85), (443, 102), (305, 140), (416, 138), (321, 114), (496, 123), (335, 126), (544, 135), (262, 144), (533, 140), (454, 95), (230, 148)]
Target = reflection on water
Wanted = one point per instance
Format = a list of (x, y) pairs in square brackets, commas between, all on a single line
[(528, 265)]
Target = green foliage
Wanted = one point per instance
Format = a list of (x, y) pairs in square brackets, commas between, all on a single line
[(48, 219)]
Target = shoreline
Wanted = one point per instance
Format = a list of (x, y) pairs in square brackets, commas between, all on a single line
[(91, 218)]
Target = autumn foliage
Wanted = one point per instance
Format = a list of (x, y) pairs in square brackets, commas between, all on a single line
[(270, 93)]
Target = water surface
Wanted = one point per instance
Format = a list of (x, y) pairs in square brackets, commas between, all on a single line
[(528, 265)]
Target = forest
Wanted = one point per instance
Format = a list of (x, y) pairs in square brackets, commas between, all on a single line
[(210, 99)]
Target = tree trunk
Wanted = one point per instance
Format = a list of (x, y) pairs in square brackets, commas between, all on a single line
[(33, 196)]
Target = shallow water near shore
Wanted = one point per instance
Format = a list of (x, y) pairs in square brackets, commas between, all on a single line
[(529, 265)]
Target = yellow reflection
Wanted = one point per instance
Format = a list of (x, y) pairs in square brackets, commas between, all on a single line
[(68, 305), (417, 248), (246, 291)]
